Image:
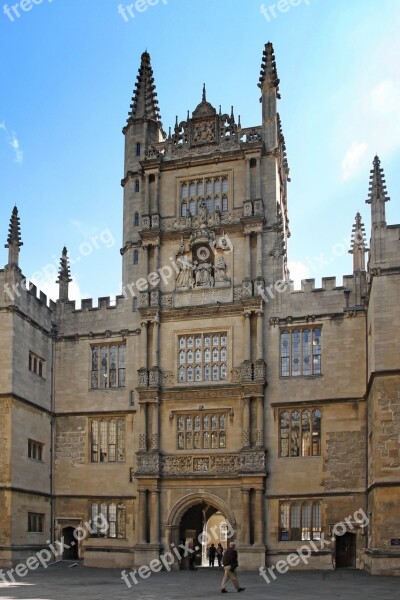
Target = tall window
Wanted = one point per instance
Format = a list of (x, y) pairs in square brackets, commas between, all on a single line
[(202, 357), (300, 521), (300, 352), (107, 440), (137, 185), (214, 191), (135, 257), (201, 431), (35, 450), (138, 149), (35, 522), (300, 433), (110, 514), (136, 219), (108, 366)]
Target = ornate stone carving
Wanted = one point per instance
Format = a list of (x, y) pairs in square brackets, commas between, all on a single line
[(154, 441), (203, 296), (247, 371), (144, 299), (148, 464), (154, 377), (228, 463), (172, 465), (167, 379), (260, 370), (247, 208), (274, 321), (143, 377), (155, 297), (258, 208), (142, 441), (237, 294), (246, 438), (145, 223), (252, 461), (201, 464), (221, 270), (167, 301), (259, 437), (155, 221), (236, 375), (247, 288)]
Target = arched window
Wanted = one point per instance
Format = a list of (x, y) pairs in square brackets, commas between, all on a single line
[(136, 219), (135, 257), (137, 185), (224, 203), (183, 209), (192, 208), (209, 205), (138, 149), (182, 357)]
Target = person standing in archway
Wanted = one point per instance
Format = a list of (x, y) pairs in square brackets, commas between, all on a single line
[(220, 552), (230, 562), (211, 555)]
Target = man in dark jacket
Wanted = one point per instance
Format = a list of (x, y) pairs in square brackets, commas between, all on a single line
[(230, 562)]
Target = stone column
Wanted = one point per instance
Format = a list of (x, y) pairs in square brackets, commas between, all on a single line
[(154, 426), (248, 182), (143, 337), (260, 345), (246, 333), (258, 178), (245, 516), (259, 518), (142, 517), (155, 517), (142, 426), (156, 257), (260, 422), (259, 269), (247, 255), (146, 195), (246, 423), (156, 199), (145, 260), (156, 336)]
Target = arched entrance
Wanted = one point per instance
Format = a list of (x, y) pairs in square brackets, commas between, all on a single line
[(199, 520)]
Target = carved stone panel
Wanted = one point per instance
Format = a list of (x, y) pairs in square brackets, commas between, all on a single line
[(252, 462), (202, 297)]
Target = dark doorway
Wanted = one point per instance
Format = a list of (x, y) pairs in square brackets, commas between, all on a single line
[(70, 544), (192, 526), (346, 551)]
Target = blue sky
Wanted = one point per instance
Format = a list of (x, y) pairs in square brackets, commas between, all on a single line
[(67, 73)]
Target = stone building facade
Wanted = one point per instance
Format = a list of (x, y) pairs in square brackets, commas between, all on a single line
[(210, 392)]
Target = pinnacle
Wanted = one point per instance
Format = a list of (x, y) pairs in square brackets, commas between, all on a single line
[(64, 274), (268, 71), (377, 184), (14, 230), (358, 236), (144, 100)]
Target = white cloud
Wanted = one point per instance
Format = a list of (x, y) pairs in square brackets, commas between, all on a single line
[(352, 159), (14, 143), (298, 271)]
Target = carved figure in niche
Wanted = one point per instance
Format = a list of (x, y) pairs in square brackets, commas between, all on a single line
[(204, 132), (185, 275), (204, 275), (203, 212), (221, 270)]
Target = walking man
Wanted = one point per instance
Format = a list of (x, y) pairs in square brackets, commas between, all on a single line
[(230, 562)]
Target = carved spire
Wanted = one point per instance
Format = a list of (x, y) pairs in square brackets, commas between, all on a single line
[(358, 244), (144, 100), (64, 275), (268, 72), (204, 97), (377, 193), (14, 239)]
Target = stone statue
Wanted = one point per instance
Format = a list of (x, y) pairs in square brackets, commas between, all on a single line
[(221, 270), (203, 212), (203, 275), (185, 275)]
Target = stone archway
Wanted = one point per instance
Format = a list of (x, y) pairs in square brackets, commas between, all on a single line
[(186, 503)]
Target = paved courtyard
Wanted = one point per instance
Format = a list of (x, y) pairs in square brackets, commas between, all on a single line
[(61, 581)]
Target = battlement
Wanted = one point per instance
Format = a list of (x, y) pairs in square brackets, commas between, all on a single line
[(328, 284), (104, 302)]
